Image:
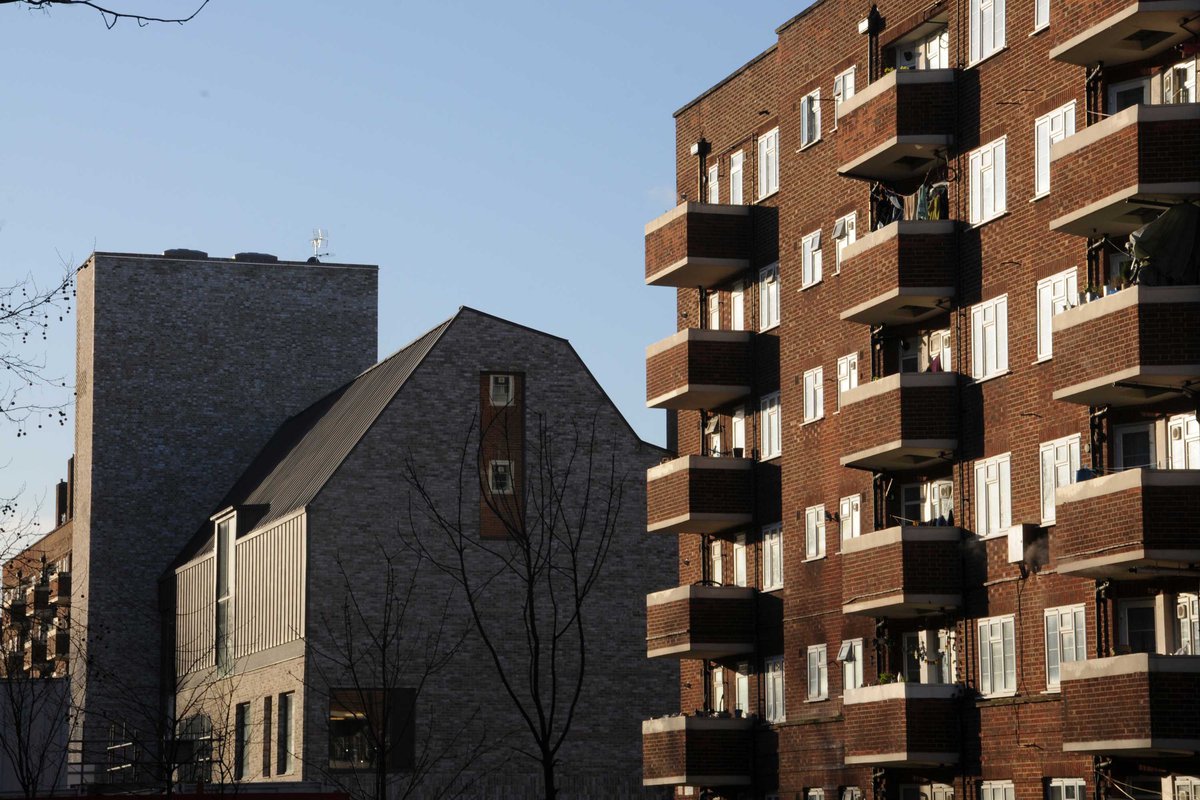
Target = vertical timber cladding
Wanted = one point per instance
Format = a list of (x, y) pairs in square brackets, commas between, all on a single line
[(268, 589), (195, 612), (501, 452)]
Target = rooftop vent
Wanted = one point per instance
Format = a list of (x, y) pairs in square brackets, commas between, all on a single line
[(256, 258), (185, 253)]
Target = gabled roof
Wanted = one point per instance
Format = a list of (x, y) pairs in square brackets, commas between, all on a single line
[(309, 447)]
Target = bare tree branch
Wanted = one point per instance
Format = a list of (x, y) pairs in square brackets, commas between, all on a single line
[(110, 15)]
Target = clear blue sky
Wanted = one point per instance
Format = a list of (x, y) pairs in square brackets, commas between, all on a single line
[(502, 155)]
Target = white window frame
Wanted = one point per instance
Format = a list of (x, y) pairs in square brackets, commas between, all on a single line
[(773, 680), (772, 550), (845, 233), (987, 20), (1054, 295), (736, 171), (997, 637), (1048, 129), (741, 690), (818, 673), (850, 517), (989, 338), (988, 172), (718, 689), (1062, 458), (768, 163), (1065, 629), (714, 310), (1041, 21), (739, 560), (713, 184), (814, 394), (1183, 442), (810, 112), (737, 427), (500, 465), (1119, 432), (737, 307), (811, 259), (770, 442), (501, 390), (814, 532), (843, 90), (768, 297), (851, 657), (993, 495), (716, 561), (1178, 89), (815, 793), (847, 375)]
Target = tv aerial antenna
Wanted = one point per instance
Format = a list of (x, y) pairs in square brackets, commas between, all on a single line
[(320, 243)]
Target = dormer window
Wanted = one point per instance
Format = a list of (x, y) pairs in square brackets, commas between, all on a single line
[(502, 393)]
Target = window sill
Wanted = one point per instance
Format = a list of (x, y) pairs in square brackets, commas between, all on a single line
[(767, 196), (810, 559), (1053, 690), (812, 421), (1002, 534), (767, 589), (1039, 29), (811, 144), (764, 459), (990, 55), (999, 374), (989, 220), (1048, 523), (1037, 197), (1041, 360), (808, 286), (817, 700), (768, 328)]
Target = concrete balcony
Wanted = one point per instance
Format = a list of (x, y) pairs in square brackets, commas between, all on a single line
[(1117, 31), (1134, 705), (60, 588), (37, 598), (901, 725), (58, 645), (1128, 525), (901, 273), (902, 572), (1113, 177), (700, 622), (699, 494), (901, 422), (697, 751), (698, 244), (696, 369), (894, 128), (1131, 348), (35, 654)]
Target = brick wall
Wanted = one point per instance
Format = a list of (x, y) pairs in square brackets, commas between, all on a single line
[(698, 362), (700, 621), (697, 234), (922, 725), (907, 260), (698, 491), (907, 109), (913, 567)]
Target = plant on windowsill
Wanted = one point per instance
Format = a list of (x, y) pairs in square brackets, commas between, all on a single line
[(886, 678)]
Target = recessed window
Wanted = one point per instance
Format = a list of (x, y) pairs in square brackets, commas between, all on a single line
[(735, 178), (287, 734), (814, 394), (716, 562), (741, 684), (737, 307), (993, 497), (737, 426), (988, 174), (818, 673), (370, 726), (502, 390), (1133, 446), (997, 657), (810, 118), (1137, 627), (739, 560), (771, 439), (844, 233), (241, 741), (1179, 82), (1048, 129), (847, 372), (814, 532), (773, 678), (714, 311), (198, 733), (225, 535), (811, 259), (772, 549), (718, 689), (1054, 295), (714, 184), (768, 297), (768, 163), (1066, 640), (851, 657), (850, 516), (1059, 461), (929, 656), (989, 338), (500, 477), (927, 502), (987, 34)]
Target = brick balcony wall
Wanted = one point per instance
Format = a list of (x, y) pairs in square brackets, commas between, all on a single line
[(698, 362), (697, 234), (913, 412), (906, 109), (903, 260), (668, 754), (1149, 704), (913, 567), (914, 725), (698, 491), (1069, 18), (700, 620)]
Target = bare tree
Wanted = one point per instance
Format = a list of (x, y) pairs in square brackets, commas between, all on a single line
[(372, 664), (559, 516), (110, 14), (27, 310)]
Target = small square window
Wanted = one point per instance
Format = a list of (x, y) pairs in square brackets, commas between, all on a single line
[(500, 477), (502, 393)]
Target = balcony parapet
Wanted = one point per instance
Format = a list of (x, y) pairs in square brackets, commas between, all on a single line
[(695, 369), (699, 494), (904, 571), (705, 622), (902, 421), (1117, 31), (698, 244), (697, 751), (901, 273), (901, 725)]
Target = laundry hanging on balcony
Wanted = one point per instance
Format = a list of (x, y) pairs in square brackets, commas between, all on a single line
[(1166, 252)]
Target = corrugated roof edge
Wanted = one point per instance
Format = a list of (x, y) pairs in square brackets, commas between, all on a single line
[(726, 80)]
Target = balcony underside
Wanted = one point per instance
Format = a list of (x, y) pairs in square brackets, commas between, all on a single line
[(701, 523), (897, 159), (1134, 386), (698, 395), (1135, 564), (1123, 212), (904, 605), (901, 306), (1140, 31), (694, 271), (902, 454)]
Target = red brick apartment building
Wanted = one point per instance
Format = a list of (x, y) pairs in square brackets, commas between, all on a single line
[(937, 493)]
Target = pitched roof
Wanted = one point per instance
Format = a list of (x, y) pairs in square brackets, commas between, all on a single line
[(309, 447)]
